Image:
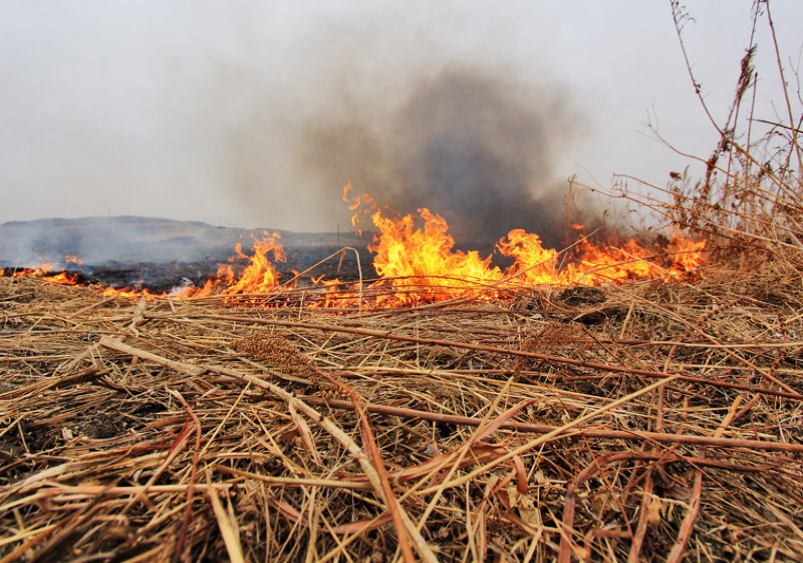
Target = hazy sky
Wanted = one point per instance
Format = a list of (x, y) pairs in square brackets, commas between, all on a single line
[(256, 113)]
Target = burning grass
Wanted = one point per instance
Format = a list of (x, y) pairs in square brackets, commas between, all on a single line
[(625, 421), (417, 258)]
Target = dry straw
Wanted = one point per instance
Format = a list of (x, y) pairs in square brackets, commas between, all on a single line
[(648, 421), (666, 420)]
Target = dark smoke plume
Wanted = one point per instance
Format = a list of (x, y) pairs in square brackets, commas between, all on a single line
[(473, 145)]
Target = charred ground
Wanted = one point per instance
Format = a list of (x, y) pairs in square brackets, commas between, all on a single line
[(159, 254)]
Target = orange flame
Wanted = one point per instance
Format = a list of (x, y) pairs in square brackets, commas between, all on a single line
[(424, 260), (258, 277), (48, 272), (421, 263), (136, 291), (62, 278), (534, 264), (687, 255), (417, 259)]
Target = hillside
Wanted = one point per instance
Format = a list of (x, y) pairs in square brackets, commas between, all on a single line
[(98, 241)]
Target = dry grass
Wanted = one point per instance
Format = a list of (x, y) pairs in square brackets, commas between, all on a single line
[(648, 421), (661, 422)]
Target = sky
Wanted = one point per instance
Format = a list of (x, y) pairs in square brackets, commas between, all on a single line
[(256, 114)]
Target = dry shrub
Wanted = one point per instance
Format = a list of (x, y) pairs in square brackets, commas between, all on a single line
[(748, 205), (751, 197)]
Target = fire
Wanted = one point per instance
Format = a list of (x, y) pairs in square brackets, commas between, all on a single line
[(534, 265), (417, 262), (336, 294), (687, 255), (49, 272), (258, 277), (425, 261), (600, 264), (421, 264), (62, 278), (136, 291)]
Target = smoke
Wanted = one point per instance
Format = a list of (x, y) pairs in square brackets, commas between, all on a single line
[(121, 240), (258, 113), (473, 145), (401, 110)]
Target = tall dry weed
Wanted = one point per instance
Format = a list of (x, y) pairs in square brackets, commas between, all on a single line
[(748, 204), (751, 195)]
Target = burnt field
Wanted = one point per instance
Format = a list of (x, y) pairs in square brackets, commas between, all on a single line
[(159, 254), (162, 277)]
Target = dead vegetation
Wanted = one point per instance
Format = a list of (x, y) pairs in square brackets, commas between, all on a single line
[(642, 421), (656, 420), (747, 201)]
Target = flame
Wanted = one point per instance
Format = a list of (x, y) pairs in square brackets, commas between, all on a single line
[(50, 273), (258, 277), (62, 278), (136, 291), (421, 263), (687, 255), (364, 204), (336, 294), (603, 263), (533, 264), (416, 259)]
